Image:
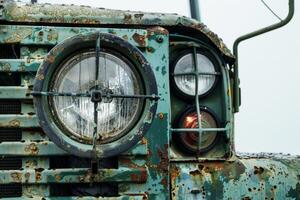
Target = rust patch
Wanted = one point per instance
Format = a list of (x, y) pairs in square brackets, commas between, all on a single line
[(50, 59), (127, 19), (30, 163), (17, 177), (258, 170), (157, 30), (138, 16), (164, 182), (32, 149), (140, 39), (57, 177), (164, 158), (196, 172), (142, 177), (175, 172), (38, 174), (14, 123), (40, 77), (161, 116), (144, 141)]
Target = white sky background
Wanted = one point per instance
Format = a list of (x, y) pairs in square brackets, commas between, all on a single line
[(269, 119)]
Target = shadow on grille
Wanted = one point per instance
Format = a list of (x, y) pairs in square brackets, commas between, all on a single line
[(10, 163), (96, 190), (62, 162), (11, 190), (9, 51), (10, 107), (10, 135)]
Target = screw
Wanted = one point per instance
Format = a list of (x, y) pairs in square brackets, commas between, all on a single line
[(159, 39)]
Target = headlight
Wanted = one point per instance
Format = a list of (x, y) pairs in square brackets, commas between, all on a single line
[(115, 116), (95, 116), (188, 141), (187, 83)]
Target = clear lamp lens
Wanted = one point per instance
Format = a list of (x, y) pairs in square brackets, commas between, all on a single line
[(187, 83), (115, 116)]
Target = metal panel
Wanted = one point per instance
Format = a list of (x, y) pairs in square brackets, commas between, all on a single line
[(14, 92), (129, 197), (19, 65), (16, 121), (81, 175), (35, 35), (253, 177), (47, 148)]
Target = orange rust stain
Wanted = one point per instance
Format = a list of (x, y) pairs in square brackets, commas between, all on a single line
[(139, 39), (32, 149), (144, 141), (174, 173), (14, 123), (161, 116), (17, 177), (38, 174), (142, 177), (30, 163), (164, 158), (57, 177)]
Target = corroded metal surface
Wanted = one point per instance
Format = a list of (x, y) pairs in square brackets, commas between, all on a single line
[(250, 177), (82, 175), (84, 15)]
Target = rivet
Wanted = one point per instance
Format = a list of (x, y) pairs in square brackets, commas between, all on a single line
[(161, 116), (159, 39)]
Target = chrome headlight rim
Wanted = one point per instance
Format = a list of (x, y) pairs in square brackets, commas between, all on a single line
[(44, 111), (179, 54)]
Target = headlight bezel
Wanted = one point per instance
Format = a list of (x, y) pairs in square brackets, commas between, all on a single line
[(54, 111), (44, 111), (180, 53)]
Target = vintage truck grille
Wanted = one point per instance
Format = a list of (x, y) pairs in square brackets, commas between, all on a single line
[(31, 164)]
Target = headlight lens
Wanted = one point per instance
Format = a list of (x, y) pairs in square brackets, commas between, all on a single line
[(115, 116), (189, 140), (187, 83)]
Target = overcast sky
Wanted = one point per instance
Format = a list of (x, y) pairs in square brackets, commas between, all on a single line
[(269, 65)]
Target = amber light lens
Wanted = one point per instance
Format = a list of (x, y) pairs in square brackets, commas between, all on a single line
[(189, 140)]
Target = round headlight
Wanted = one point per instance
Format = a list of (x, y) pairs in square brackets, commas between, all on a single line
[(91, 115), (76, 114), (187, 83), (188, 141)]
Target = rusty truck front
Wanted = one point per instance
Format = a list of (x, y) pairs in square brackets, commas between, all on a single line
[(110, 104)]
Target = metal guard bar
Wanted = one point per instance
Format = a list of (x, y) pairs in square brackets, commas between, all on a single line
[(195, 73), (71, 94), (251, 35)]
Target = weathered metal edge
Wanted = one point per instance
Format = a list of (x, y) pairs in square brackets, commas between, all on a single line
[(73, 14)]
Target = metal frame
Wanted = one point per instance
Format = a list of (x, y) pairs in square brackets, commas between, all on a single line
[(228, 128), (41, 94), (236, 92)]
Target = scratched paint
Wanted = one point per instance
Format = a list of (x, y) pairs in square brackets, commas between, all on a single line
[(153, 168)]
